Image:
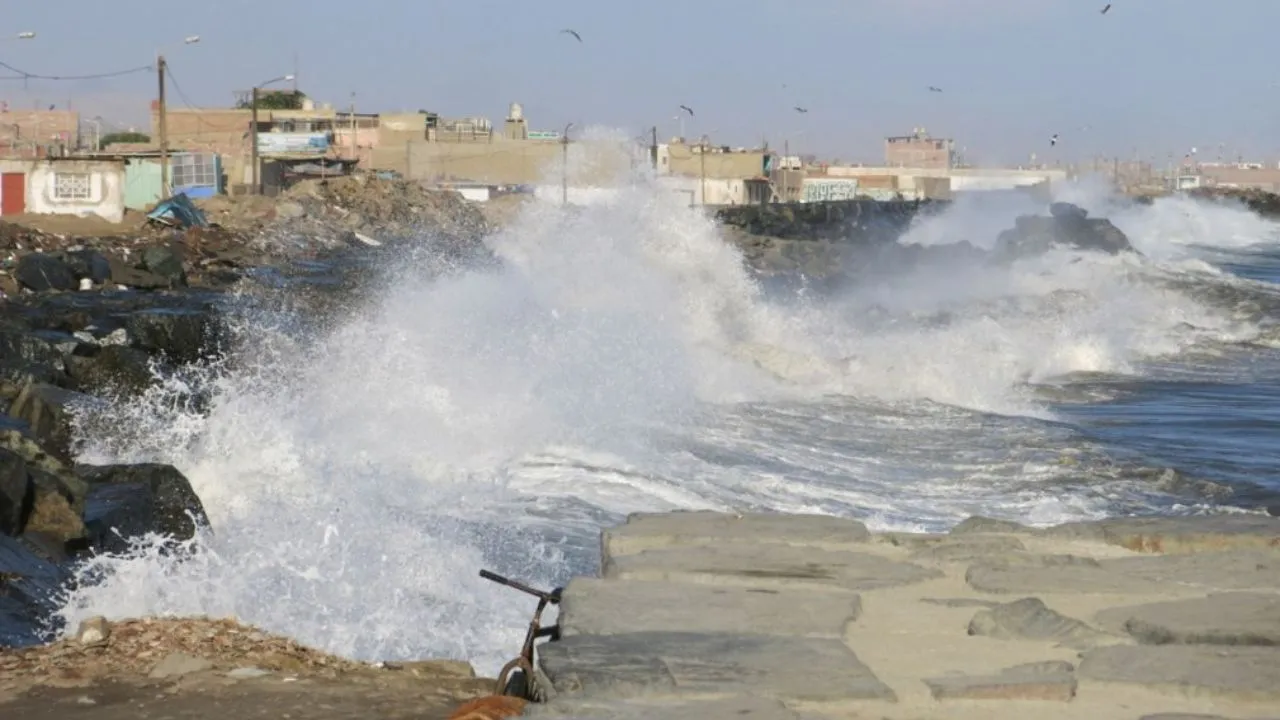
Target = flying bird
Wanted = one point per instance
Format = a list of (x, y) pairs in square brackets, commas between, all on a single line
[(574, 33), (934, 89), (1053, 141), (687, 109), (1105, 9), (801, 110)]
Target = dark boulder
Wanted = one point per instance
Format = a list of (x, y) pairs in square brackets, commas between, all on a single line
[(24, 355), (30, 584), (1067, 226), (89, 264), (48, 410), (141, 498), (110, 369), (40, 272), (165, 261), (182, 335), (126, 274), (15, 493)]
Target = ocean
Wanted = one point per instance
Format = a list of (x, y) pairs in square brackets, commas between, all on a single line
[(360, 469)]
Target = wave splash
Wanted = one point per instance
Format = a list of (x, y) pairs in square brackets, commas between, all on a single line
[(357, 478)]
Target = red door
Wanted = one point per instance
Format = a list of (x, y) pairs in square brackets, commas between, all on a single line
[(13, 194)]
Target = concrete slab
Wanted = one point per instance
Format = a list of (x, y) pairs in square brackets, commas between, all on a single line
[(650, 531), (1220, 619), (746, 708), (771, 566), (709, 665), (1250, 674), (591, 606), (1050, 681), (1049, 574), (1178, 534)]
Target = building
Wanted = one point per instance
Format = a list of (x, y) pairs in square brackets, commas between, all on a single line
[(715, 174), (63, 186), (920, 150), (38, 133)]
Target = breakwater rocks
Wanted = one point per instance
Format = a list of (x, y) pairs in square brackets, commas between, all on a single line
[(701, 615), (87, 320), (1266, 204), (1066, 226)]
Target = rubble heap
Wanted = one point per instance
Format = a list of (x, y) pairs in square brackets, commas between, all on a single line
[(358, 209)]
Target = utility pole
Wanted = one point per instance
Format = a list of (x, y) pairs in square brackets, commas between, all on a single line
[(355, 149), (253, 140), (703, 154), (564, 165), (653, 150), (786, 170), (163, 121)]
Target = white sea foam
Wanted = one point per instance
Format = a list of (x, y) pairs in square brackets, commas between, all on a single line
[(621, 359)]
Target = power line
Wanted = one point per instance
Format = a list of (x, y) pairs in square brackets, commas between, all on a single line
[(173, 80), (24, 75)]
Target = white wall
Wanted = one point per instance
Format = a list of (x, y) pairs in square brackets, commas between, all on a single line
[(105, 188), (474, 194), (720, 191)]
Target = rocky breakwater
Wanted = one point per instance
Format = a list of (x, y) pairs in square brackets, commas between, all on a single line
[(1266, 204), (812, 238), (702, 615), (1066, 226), (91, 319)]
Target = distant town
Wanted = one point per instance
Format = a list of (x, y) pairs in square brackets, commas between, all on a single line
[(56, 161)]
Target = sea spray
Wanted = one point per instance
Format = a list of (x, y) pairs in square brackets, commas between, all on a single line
[(619, 357)]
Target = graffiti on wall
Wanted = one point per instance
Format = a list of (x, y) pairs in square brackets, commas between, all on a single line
[(829, 190)]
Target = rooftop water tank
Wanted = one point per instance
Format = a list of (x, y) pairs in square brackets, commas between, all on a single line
[(517, 112)]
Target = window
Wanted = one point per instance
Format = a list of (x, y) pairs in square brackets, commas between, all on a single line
[(72, 186), (194, 170)]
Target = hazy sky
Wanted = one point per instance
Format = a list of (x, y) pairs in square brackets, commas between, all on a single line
[(1151, 76)]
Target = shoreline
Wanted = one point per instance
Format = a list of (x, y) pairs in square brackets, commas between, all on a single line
[(701, 614)]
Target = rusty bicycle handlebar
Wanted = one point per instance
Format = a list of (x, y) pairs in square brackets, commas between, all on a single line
[(552, 597)]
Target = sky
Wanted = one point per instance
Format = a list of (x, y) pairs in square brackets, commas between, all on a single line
[(1149, 79)]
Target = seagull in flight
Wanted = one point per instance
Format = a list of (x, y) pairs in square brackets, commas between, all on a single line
[(687, 109), (574, 33), (1105, 9), (934, 89), (1053, 141), (801, 110)]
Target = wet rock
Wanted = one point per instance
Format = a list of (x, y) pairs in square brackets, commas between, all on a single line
[(29, 584), (125, 274), (49, 411), (1250, 674), (165, 261), (181, 335), (1238, 618), (114, 514), (56, 511), (15, 493), (780, 566), (609, 607), (151, 495), (40, 272), (26, 356), (980, 524), (1067, 226), (667, 664), (1031, 619), (649, 531), (89, 265), (1047, 681), (93, 632), (854, 221), (111, 368), (177, 664), (1177, 534)]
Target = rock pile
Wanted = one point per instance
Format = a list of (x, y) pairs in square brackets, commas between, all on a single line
[(856, 221), (1266, 204), (350, 210), (1067, 226)]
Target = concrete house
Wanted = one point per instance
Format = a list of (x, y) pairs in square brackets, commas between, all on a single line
[(63, 186)]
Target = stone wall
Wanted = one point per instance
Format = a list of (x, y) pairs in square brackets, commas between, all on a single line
[(853, 221)]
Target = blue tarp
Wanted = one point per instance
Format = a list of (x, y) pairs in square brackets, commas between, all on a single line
[(178, 211)]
